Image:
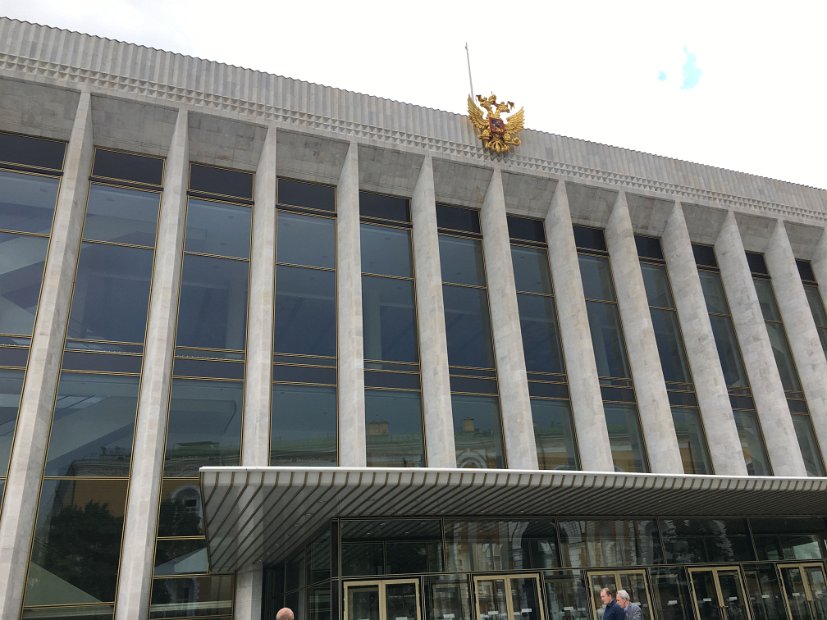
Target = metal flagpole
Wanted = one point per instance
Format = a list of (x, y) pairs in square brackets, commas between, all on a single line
[(468, 57)]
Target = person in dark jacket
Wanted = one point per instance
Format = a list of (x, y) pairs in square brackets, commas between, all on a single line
[(611, 611)]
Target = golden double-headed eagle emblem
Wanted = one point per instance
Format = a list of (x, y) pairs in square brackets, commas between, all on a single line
[(497, 134)]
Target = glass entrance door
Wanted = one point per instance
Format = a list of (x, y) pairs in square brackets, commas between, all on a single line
[(388, 599), (508, 597), (718, 593), (633, 581), (805, 590)]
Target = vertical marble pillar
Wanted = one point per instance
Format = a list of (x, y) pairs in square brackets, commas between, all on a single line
[(37, 401), (581, 368), (351, 388), (135, 577), (767, 390), (650, 389), (701, 350), (801, 330), (433, 343), (515, 405)]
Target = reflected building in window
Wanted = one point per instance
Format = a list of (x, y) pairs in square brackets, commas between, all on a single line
[(266, 343)]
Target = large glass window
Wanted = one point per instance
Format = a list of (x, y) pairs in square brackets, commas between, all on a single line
[(613, 370), (476, 411), (808, 278), (304, 411)]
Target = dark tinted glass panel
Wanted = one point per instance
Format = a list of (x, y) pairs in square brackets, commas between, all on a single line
[(656, 283), (587, 238), (769, 308), (809, 447), (648, 247), (121, 215), (816, 305), (11, 386), (181, 513), (213, 307), (304, 374), (541, 342), (672, 593), (607, 340), (788, 539), (21, 271), (670, 346), (467, 327), (625, 438), (691, 541), (303, 430), (31, 151), (305, 311), (180, 557), (204, 426), (805, 270), (714, 296), (191, 367), (385, 207), (681, 398), (473, 385), (386, 251), (461, 260), (783, 357), (14, 356), (389, 319), (526, 229), (566, 595), (548, 390), (101, 362), (221, 181), (218, 228), (457, 218), (477, 431), (691, 441), (306, 240), (728, 352), (400, 380), (609, 543), (757, 263), (597, 277), (617, 394), (752, 443), (393, 425), (128, 166), (65, 568), (531, 271), (27, 202), (93, 424), (310, 195), (500, 545), (704, 255), (111, 293), (554, 435), (193, 596), (75, 612), (766, 599)]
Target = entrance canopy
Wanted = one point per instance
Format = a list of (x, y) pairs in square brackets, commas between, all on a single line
[(263, 514)]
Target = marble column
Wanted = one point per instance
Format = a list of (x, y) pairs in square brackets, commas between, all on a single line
[(800, 328), (767, 390), (433, 343), (515, 405), (650, 389), (581, 368), (351, 388), (34, 417), (701, 351)]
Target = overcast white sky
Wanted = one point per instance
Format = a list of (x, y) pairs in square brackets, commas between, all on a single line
[(736, 84)]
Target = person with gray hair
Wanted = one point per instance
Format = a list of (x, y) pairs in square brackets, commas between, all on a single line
[(632, 610), (285, 613)]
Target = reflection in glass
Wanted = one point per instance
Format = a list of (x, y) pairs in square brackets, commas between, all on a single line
[(597, 277), (121, 215), (698, 541), (93, 424), (468, 327), (306, 240), (783, 357), (192, 596), (531, 269), (766, 299), (477, 431), (21, 271), (212, 311), (656, 283), (607, 340), (752, 443), (180, 513), (729, 354), (714, 294), (447, 597), (393, 425), (303, 425), (389, 319), (553, 433), (609, 543), (305, 311), (809, 447), (386, 251), (672, 598), (670, 346), (204, 426), (625, 437), (181, 557), (819, 315), (65, 568), (691, 440), (111, 293), (461, 260), (11, 386), (541, 342), (788, 539), (485, 546), (27, 202), (218, 228), (764, 591)]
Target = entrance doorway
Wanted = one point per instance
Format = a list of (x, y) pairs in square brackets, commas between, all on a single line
[(633, 581), (508, 597), (805, 590), (386, 599), (718, 593)]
